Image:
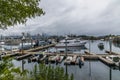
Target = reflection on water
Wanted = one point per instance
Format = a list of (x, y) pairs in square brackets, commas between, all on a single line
[(66, 69), (110, 73), (116, 45), (99, 71)]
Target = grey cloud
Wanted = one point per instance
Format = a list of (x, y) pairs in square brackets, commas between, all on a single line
[(93, 17)]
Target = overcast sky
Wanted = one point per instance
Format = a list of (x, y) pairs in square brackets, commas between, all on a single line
[(93, 17)]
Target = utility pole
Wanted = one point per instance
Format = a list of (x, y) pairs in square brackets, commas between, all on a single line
[(90, 76), (66, 53), (23, 38), (110, 43), (66, 46)]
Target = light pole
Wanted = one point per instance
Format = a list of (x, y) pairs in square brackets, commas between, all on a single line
[(66, 45), (110, 43), (23, 38), (31, 42), (66, 53), (89, 61), (66, 48), (11, 45)]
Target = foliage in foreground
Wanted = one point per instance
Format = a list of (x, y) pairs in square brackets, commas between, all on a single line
[(43, 72), (8, 71), (40, 72), (13, 12)]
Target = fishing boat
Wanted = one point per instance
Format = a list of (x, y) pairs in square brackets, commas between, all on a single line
[(71, 43), (68, 60), (60, 59), (2, 42), (52, 59), (74, 58), (113, 58), (26, 45), (43, 58), (101, 46)]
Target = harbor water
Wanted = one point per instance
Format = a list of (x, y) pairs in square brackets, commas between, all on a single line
[(91, 70)]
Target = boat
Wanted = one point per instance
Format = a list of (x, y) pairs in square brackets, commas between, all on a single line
[(60, 59), (15, 49), (26, 45), (71, 43), (74, 58), (52, 59), (63, 50), (68, 60), (2, 43), (113, 58), (101, 46)]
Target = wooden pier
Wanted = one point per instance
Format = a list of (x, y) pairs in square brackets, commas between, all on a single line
[(112, 53), (40, 48), (23, 56), (108, 62), (87, 52), (86, 56), (10, 55)]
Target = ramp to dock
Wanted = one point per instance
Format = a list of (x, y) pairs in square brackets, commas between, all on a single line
[(108, 62)]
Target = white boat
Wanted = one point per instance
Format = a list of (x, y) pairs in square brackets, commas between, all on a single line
[(113, 58), (26, 45), (101, 45), (68, 60), (2, 43), (71, 43)]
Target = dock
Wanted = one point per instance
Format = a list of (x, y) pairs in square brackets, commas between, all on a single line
[(108, 62), (112, 53), (87, 52), (23, 56), (40, 48), (10, 55), (72, 57)]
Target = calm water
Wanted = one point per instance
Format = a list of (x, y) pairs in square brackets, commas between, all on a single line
[(99, 71)]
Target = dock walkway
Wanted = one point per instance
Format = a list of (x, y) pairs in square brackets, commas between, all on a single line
[(40, 48)]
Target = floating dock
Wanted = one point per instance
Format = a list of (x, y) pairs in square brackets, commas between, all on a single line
[(108, 62), (72, 57), (23, 56), (40, 48), (112, 53), (10, 55)]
